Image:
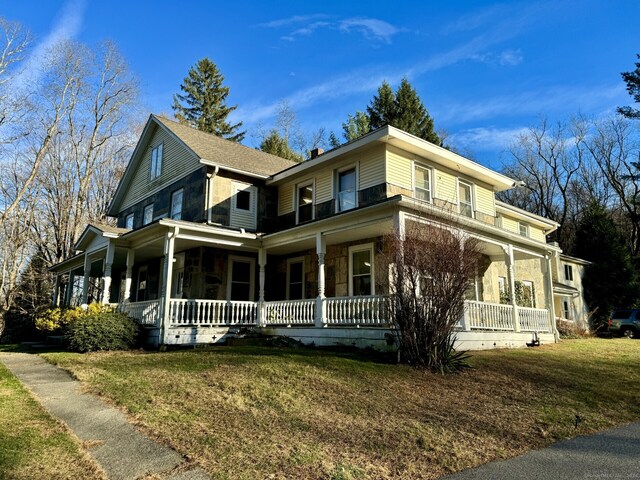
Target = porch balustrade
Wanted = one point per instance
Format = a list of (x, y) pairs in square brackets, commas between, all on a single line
[(371, 311), (212, 312), (363, 310), (146, 313), (290, 312)]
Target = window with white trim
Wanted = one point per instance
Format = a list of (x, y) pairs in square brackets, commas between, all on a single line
[(347, 193), (156, 162), (566, 309), (147, 217), (568, 273), (422, 183), (128, 221), (305, 202), (176, 204), (295, 278), (523, 229), (361, 281), (528, 298), (465, 199)]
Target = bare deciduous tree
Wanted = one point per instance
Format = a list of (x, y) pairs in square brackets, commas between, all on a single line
[(432, 266)]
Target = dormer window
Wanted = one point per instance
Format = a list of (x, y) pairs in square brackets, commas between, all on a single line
[(422, 187), (465, 199), (156, 162), (523, 229)]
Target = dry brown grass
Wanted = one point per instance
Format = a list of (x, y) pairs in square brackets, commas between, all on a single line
[(244, 412)]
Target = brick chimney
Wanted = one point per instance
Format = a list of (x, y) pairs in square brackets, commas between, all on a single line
[(316, 152)]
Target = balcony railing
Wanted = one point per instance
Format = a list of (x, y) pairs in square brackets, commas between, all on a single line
[(145, 313), (368, 310), (290, 312)]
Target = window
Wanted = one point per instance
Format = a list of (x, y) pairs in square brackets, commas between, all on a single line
[(422, 187), (568, 273), (295, 278), (240, 280), (305, 203), (148, 215), (523, 229), (502, 285), (128, 221), (566, 309), (465, 201), (156, 162), (243, 205), (528, 299), (141, 293), (243, 200), (347, 190), (361, 270), (176, 204)]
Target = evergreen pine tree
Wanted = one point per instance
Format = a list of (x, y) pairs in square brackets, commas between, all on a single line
[(381, 111), (356, 126), (632, 79), (334, 141), (277, 145), (411, 114), (202, 105), (610, 281)]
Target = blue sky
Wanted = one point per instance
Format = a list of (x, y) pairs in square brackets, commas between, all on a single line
[(484, 70)]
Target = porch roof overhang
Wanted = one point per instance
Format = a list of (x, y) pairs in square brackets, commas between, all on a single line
[(410, 143), (547, 225), (566, 290), (500, 235), (72, 263)]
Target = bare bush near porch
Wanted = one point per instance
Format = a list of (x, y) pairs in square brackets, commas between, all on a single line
[(432, 267)]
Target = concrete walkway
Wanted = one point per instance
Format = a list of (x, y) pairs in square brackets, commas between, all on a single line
[(612, 454), (121, 451)]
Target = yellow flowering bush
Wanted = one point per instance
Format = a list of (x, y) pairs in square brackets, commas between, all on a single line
[(56, 319)]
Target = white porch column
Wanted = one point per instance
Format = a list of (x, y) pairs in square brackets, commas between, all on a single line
[(399, 223), (512, 286), (56, 291), (167, 273), (321, 306), (545, 264), (131, 255), (106, 277), (86, 278), (262, 263)]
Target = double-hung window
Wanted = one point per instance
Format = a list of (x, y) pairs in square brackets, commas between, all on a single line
[(361, 270), (465, 199), (128, 221), (156, 162), (347, 190), (305, 202), (523, 229), (568, 273), (244, 205), (422, 187), (147, 217), (295, 278), (176, 204)]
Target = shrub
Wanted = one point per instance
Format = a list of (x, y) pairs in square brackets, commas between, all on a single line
[(569, 330), (101, 331), (56, 320)]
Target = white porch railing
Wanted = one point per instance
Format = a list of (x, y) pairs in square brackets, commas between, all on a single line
[(290, 312), (487, 316), (363, 310), (146, 313), (212, 312), (533, 319)]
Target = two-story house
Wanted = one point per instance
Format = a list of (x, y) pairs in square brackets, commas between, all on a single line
[(212, 236)]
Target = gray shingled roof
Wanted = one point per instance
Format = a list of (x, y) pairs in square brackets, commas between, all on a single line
[(103, 227), (226, 153)]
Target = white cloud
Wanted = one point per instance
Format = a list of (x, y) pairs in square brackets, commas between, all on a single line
[(371, 28), (67, 25), (482, 139), (510, 57)]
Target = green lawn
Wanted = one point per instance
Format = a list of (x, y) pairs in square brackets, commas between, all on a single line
[(248, 412), (32, 444)]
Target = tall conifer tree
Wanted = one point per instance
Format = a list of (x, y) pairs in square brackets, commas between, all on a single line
[(203, 104)]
